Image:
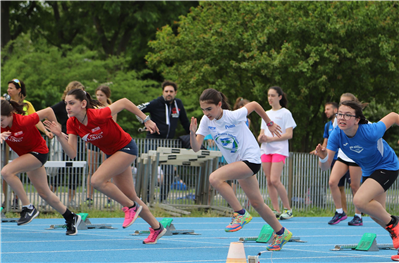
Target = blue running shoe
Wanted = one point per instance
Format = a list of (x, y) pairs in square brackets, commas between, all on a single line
[(337, 218)]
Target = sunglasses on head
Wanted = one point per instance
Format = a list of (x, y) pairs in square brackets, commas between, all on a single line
[(17, 81)]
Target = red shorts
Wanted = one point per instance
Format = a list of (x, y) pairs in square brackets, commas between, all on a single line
[(272, 158)]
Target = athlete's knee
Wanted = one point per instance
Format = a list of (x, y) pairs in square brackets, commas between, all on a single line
[(274, 182), (214, 180), (96, 182), (333, 183), (355, 186), (6, 173), (360, 203)]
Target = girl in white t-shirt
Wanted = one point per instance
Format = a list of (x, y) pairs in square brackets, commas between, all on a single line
[(274, 149), (240, 149)]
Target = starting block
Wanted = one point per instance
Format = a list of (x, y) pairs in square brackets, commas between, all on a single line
[(85, 224), (265, 236), (170, 229), (4, 219), (368, 242)]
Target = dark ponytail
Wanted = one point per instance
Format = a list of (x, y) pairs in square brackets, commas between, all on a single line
[(213, 96), (82, 95), (10, 106), (358, 107), (280, 92)]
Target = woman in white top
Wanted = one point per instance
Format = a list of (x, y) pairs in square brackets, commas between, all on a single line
[(240, 149), (274, 149), (341, 166)]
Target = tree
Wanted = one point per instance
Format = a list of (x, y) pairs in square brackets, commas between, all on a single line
[(314, 50), (47, 71), (121, 28)]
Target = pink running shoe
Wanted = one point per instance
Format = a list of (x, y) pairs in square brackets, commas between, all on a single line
[(155, 235), (131, 214)]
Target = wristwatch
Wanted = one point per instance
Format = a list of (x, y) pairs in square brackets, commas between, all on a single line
[(146, 119), (270, 124)]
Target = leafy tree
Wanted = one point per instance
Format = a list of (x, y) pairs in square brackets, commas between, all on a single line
[(47, 71), (314, 50), (108, 27)]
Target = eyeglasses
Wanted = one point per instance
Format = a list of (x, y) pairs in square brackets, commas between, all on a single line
[(345, 116), (17, 81)]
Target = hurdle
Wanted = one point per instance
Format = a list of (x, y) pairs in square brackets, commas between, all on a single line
[(265, 236), (368, 242), (170, 229), (84, 225), (147, 171)]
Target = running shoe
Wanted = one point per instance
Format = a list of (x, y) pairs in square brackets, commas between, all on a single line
[(72, 226), (395, 257), (131, 214), (337, 218), (108, 204), (238, 221), (88, 202), (279, 241), (154, 235), (287, 214), (277, 214), (356, 221), (27, 215), (393, 229)]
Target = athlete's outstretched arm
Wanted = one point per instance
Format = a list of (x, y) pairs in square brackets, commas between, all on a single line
[(390, 119), (70, 145), (124, 103), (195, 140), (326, 156), (254, 106)]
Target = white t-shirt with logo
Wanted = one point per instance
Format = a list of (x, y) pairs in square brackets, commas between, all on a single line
[(232, 136), (284, 119)]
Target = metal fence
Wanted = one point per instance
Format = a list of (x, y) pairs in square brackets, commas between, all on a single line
[(306, 184)]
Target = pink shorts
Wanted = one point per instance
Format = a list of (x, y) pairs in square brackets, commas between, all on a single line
[(272, 158)]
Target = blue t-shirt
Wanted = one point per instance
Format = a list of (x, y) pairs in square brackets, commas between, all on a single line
[(366, 148), (328, 128)]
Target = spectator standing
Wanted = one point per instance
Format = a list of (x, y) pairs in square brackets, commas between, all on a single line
[(274, 149), (166, 111)]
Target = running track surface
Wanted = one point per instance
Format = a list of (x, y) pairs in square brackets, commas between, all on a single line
[(33, 243)]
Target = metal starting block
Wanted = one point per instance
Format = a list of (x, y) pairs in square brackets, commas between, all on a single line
[(368, 242), (265, 236), (170, 229), (85, 224), (4, 219)]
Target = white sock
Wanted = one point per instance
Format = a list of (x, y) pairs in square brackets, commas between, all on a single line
[(359, 215), (340, 210), (30, 206)]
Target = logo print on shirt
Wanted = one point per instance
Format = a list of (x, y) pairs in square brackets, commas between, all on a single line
[(211, 128), (18, 133), (227, 141), (229, 126), (356, 149), (95, 129), (345, 144)]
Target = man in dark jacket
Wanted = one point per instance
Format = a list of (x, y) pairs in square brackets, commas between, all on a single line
[(165, 111)]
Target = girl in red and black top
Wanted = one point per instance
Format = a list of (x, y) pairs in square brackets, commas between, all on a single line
[(19, 132), (96, 126)]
